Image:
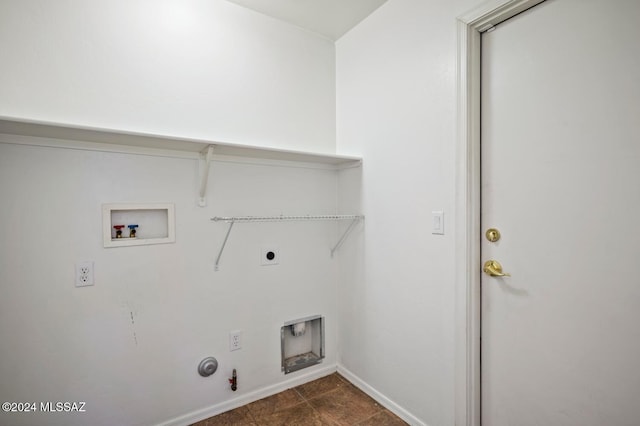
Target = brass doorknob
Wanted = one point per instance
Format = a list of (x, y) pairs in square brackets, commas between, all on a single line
[(494, 269)]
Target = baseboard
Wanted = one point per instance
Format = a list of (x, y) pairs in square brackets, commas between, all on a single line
[(196, 416), (380, 398)]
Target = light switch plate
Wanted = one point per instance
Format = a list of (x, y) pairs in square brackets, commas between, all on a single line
[(437, 220)]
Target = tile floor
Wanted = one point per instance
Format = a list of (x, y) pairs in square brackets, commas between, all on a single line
[(331, 400)]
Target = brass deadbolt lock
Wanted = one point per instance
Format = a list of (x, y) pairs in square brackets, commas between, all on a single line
[(492, 235)]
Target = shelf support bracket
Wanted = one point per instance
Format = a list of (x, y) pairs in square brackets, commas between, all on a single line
[(224, 243), (205, 176), (345, 235)]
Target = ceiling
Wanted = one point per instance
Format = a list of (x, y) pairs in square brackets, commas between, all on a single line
[(330, 18)]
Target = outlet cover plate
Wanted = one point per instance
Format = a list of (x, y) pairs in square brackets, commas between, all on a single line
[(269, 255), (235, 340), (84, 274)]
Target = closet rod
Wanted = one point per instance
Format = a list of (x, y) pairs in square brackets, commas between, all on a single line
[(285, 218)]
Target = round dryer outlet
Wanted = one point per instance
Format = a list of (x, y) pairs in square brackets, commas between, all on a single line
[(269, 255)]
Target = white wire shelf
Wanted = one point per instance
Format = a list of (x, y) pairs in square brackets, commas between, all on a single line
[(231, 220), (285, 218)]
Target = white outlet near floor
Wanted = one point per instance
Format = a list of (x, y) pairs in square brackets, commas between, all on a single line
[(235, 340), (84, 274)]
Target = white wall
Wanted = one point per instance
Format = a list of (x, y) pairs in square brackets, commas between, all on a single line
[(396, 106), (261, 82), (205, 69), (130, 345)]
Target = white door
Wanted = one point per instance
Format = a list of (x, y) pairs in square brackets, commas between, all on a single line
[(561, 182)]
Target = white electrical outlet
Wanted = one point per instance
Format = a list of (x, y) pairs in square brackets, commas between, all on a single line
[(84, 274), (235, 340), (269, 255)]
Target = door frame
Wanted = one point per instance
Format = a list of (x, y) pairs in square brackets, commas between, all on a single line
[(467, 242)]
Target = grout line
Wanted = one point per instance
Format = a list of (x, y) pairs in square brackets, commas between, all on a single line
[(313, 408), (307, 400), (327, 414), (299, 394), (369, 418), (251, 415), (322, 394), (343, 378)]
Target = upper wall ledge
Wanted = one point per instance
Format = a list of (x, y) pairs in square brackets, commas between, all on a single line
[(14, 130)]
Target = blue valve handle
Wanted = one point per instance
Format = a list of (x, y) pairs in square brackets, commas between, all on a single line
[(133, 226)]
